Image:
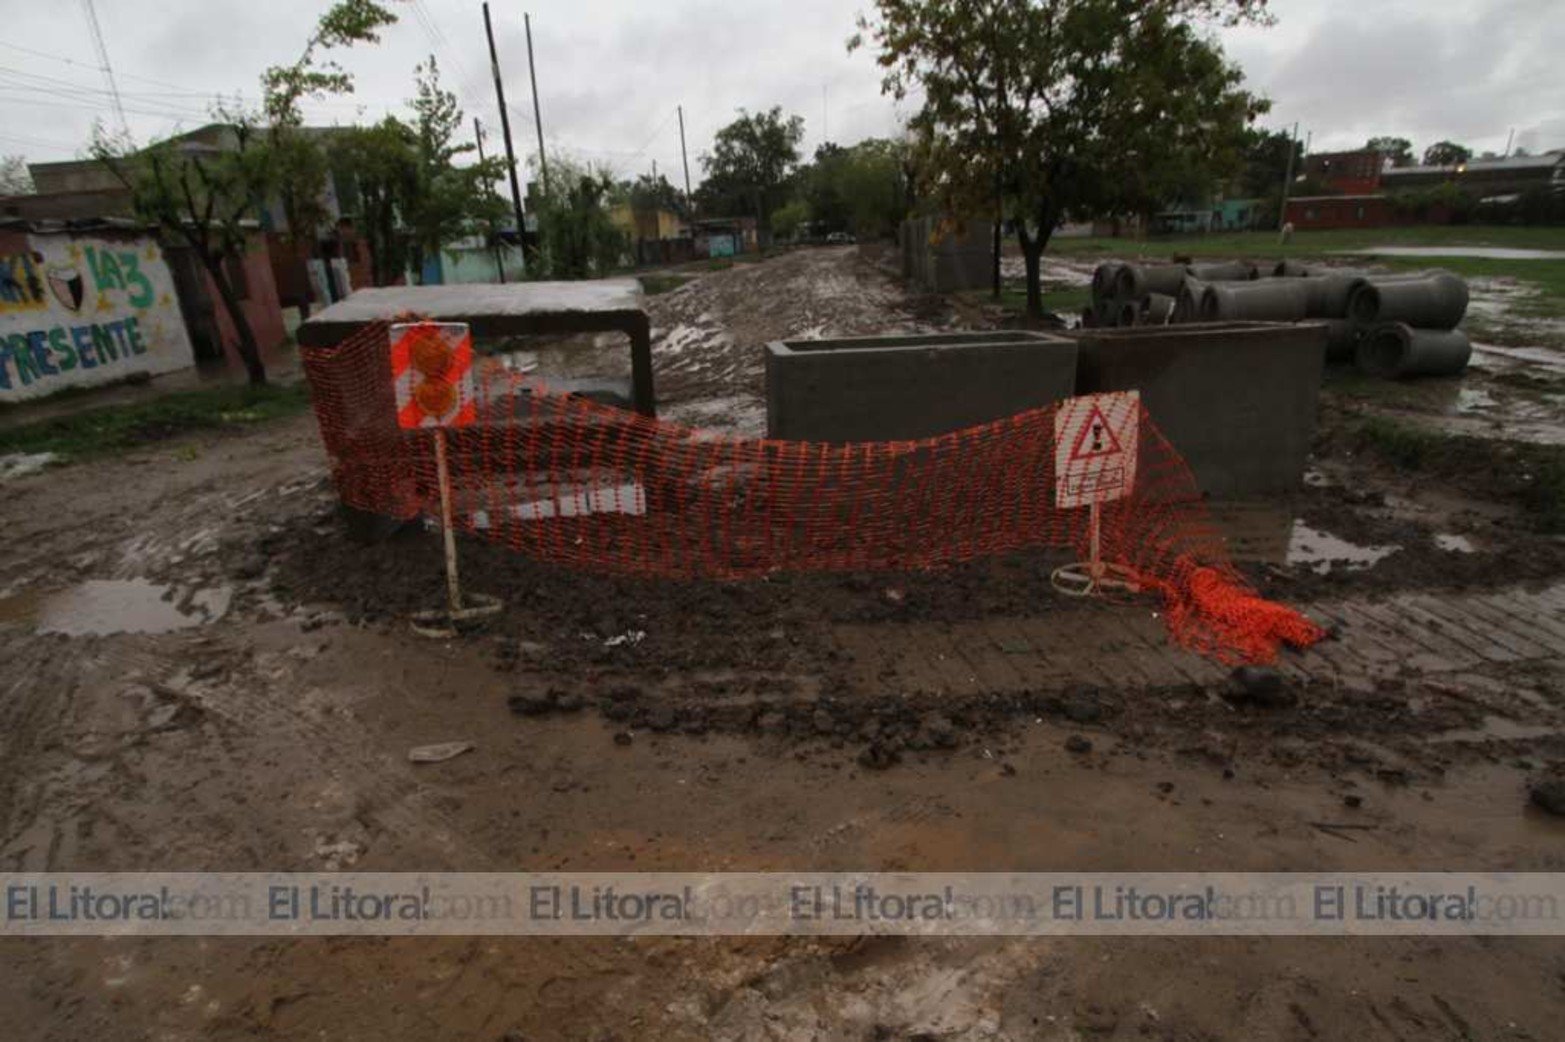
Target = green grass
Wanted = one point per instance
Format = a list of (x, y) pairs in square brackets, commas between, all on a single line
[(1316, 243), (115, 428), (1068, 301), (652, 285), (1533, 475)]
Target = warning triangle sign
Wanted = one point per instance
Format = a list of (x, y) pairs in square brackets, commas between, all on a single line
[(1095, 439)]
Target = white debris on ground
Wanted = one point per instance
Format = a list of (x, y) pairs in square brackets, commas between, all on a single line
[(21, 464), (1068, 272)]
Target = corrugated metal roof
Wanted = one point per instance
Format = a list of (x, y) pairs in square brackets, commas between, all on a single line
[(1513, 164)]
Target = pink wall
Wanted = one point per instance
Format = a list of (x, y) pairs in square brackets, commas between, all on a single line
[(261, 305)]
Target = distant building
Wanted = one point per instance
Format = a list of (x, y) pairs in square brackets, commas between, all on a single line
[(1486, 177), (1315, 212), (1351, 173)]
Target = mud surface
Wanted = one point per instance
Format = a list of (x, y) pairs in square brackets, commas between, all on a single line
[(624, 724)]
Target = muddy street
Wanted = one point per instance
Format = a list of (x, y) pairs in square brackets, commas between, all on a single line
[(205, 673)]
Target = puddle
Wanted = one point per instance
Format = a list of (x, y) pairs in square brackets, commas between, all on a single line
[(1456, 544), (1471, 399), (1321, 551), (1488, 252), (1497, 729), (103, 606)]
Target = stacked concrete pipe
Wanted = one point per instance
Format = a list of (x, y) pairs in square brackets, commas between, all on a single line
[(1410, 326), (1357, 308)]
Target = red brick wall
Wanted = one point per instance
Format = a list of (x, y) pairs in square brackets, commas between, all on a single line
[(260, 304), (1339, 212)]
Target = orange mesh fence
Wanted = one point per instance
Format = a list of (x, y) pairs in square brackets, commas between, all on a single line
[(569, 481)]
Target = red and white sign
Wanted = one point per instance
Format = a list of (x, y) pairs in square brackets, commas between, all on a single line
[(432, 370), (1095, 443)]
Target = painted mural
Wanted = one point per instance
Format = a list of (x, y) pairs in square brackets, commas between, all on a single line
[(80, 310)]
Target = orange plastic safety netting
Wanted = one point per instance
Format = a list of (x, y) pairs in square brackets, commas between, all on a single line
[(570, 481)]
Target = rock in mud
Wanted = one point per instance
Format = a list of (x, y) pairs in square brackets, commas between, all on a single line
[(1082, 707), (1549, 795), (1257, 685), (878, 756), (530, 704)]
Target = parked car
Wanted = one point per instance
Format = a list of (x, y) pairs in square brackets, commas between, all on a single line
[(839, 239)]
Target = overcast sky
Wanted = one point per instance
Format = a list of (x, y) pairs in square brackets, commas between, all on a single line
[(610, 72)]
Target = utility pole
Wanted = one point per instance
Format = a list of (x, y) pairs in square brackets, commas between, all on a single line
[(684, 157), (499, 258), (1287, 178), (505, 130), (1509, 138), (532, 74)]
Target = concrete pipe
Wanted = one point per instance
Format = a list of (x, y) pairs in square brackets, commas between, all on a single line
[(1327, 296), (1107, 312), (1270, 300), (1103, 279), (1187, 303), (1342, 340), (1157, 309), (1396, 350), (1129, 313), (1227, 271), (1287, 269), (1089, 318), (1436, 301), (1135, 281)]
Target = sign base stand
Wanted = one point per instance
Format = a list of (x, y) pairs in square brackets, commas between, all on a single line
[(1092, 577), (445, 624)]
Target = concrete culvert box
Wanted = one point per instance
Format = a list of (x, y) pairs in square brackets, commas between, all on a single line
[(907, 387), (1236, 399)]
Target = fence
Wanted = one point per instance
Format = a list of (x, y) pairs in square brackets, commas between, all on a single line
[(582, 485)]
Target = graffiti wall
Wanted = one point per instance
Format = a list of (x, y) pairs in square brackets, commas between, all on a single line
[(78, 310)]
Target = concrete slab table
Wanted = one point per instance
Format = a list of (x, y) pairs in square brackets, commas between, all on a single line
[(518, 309)]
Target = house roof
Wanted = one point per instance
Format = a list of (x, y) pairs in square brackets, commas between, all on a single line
[(1514, 164)]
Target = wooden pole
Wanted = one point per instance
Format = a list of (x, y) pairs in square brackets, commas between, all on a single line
[(443, 475), (505, 131)]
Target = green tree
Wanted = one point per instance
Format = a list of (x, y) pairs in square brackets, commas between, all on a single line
[(1397, 149), (787, 218), (448, 201), (1058, 108), (1266, 162), (751, 160), (874, 185), (647, 193), (1446, 153), (577, 237), (204, 195), (377, 169), (14, 176), (298, 164)]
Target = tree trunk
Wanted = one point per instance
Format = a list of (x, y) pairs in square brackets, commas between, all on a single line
[(999, 221), (249, 353), (1032, 250)]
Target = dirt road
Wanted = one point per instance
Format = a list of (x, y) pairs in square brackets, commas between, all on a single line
[(270, 730)]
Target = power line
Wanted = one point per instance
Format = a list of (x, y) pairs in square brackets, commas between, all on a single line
[(103, 60)]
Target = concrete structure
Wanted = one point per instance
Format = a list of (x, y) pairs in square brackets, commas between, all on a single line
[(906, 387), (1236, 399), (601, 305), (944, 256), (84, 308)]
